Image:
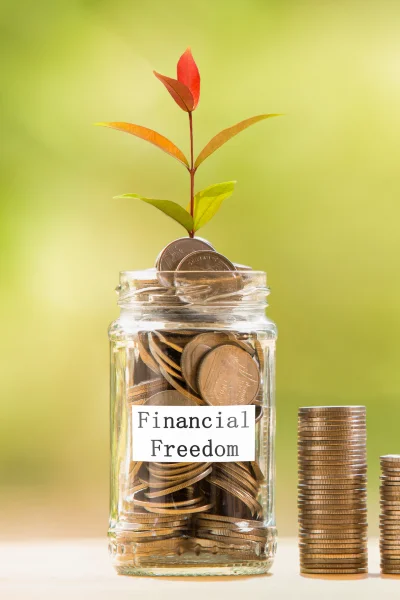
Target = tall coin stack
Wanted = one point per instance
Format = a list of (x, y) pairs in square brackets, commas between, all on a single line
[(390, 514), (332, 490)]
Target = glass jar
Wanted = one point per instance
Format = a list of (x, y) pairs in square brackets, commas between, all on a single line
[(192, 425)]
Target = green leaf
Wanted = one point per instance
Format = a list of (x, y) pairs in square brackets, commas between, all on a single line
[(226, 134), (208, 201), (169, 208)]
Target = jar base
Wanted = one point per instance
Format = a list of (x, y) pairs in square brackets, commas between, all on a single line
[(192, 557), (236, 569)]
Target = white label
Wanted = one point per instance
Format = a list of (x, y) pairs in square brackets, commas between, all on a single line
[(193, 433)]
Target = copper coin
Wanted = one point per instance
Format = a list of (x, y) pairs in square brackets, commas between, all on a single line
[(206, 274), (175, 383), (195, 351), (145, 354), (141, 391), (333, 409), (175, 342), (170, 398), (227, 376), (229, 519), (158, 352), (173, 253)]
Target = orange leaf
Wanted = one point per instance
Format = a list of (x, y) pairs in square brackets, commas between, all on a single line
[(150, 136), (189, 75), (224, 136), (179, 91)]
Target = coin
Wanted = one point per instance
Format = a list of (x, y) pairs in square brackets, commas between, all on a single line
[(170, 398), (145, 389), (157, 350), (331, 491), (194, 352), (228, 375), (332, 410), (175, 383), (175, 342), (145, 354), (173, 253), (206, 274), (181, 511)]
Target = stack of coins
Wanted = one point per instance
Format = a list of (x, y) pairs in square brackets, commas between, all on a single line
[(390, 514), (332, 489)]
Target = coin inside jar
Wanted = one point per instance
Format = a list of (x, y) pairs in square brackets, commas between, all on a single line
[(228, 375), (205, 274), (173, 253), (170, 398), (195, 351)]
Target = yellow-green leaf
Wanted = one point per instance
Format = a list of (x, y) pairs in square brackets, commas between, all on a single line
[(169, 208), (149, 136), (226, 134), (208, 201)]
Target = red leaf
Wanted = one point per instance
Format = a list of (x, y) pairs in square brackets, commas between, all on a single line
[(179, 91), (150, 136), (188, 74)]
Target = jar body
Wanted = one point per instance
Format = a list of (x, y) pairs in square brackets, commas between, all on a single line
[(191, 515)]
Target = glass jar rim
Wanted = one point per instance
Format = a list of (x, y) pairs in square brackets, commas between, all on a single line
[(238, 289)]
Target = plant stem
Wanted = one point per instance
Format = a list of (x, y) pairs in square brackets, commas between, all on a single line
[(192, 171)]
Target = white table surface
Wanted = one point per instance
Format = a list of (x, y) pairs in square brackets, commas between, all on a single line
[(80, 570)]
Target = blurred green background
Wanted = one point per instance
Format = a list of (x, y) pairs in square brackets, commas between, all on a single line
[(316, 206)]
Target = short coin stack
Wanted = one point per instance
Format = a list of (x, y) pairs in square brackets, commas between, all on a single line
[(332, 489), (390, 514)]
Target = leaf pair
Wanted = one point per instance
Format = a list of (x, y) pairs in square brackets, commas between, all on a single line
[(206, 204), (185, 90), (169, 147)]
